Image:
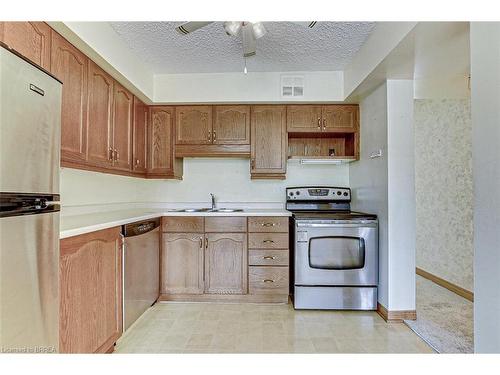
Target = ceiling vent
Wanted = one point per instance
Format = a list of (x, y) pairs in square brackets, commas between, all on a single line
[(292, 87)]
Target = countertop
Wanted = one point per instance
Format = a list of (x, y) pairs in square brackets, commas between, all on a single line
[(73, 225)]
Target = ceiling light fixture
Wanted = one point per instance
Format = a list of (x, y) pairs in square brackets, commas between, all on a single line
[(232, 27), (258, 30)]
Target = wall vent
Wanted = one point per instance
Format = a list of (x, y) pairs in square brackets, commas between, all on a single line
[(292, 87)]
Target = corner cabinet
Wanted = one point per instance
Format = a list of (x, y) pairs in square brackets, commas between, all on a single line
[(268, 142), (90, 278), (30, 39), (161, 161), (139, 136)]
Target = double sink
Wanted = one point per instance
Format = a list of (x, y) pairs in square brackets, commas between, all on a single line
[(208, 210)]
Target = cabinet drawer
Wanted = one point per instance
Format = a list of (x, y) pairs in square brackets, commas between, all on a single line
[(268, 257), (268, 224), (187, 224), (268, 240), (268, 280), (230, 224)]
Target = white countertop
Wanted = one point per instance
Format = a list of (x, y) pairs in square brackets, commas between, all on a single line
[(73, 225)]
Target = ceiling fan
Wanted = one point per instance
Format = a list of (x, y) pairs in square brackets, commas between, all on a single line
[(250, 31)]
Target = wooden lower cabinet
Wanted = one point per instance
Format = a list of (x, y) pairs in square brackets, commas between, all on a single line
[(226, 263), (90, 277), (215, 258), (182, 266)]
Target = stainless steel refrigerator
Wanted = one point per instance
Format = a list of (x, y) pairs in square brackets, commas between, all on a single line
[(30, 121)]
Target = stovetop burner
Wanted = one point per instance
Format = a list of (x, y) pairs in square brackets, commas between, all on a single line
[(323, 203)]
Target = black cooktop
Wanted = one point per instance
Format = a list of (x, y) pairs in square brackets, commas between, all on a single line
[(333, 215)]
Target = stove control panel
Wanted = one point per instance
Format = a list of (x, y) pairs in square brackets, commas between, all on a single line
[(313, 193)]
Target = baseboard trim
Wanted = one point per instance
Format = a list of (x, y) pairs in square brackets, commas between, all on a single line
[(395, 316), (446, 284)]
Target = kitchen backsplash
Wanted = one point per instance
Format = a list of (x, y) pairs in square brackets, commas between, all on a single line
[(228, 179)]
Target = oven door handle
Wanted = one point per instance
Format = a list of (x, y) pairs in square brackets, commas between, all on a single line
[(337, 225)]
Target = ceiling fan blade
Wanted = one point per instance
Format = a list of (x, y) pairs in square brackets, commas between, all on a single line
[(249, 45), (308, 24), (189, 27)]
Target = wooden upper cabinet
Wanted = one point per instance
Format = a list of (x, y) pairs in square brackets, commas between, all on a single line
[(340, 118), (90, 274), (193, 124), (123, 103), (226, 264), (30, 39), (268, 141), (231, 125), (139, 136), (182, 263), (303, 118), (99, 124), (161, 161), (71, 67)]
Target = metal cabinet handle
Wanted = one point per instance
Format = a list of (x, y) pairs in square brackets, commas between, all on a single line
[(117, 154), (110, 157), (252, 163), (269, 257), (319, 123), (201, 243), (268, 224), (210, 136), (206, 242), (214, 136), (137, 161), (268, 281), (268, 241), (324, 123)]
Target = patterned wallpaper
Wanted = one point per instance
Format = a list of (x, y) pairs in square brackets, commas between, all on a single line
[(443, 184)]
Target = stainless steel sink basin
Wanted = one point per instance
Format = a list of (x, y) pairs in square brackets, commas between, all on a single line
[(208, 210), (226, 210), (193, 210)]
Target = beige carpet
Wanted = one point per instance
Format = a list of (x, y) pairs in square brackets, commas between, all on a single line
[(444, 319)]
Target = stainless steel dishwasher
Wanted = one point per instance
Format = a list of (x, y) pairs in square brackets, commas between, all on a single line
[(141, 268)]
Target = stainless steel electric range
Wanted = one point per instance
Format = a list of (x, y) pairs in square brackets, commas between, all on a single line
[(335, 250)]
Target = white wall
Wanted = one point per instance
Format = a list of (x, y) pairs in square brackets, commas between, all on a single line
[(239, 87), (485, 102), (368, 177), (228, 179), (401, 194), (443, 187), (385, 186)]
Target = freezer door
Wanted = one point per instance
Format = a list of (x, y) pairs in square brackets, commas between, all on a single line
[(29, 301), (30, 121)]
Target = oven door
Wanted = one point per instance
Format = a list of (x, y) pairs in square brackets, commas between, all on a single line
[(337, 253)]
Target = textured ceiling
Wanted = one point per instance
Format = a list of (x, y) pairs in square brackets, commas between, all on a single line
[(285, 47)]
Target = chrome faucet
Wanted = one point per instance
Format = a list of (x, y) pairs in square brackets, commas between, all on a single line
[(212, 196)]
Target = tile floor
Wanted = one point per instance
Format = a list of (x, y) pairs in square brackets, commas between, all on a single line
[(252, 328)]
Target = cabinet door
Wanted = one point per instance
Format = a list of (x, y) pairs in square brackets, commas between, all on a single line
[(90, 277), (30, 39), (182, 263), (71, 67), (303, 118), (340, 118), (160, 143), (268, 141), (123, 103), (226, 263), (231, 125), (194, 125), (139, 137), (99, 124)]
